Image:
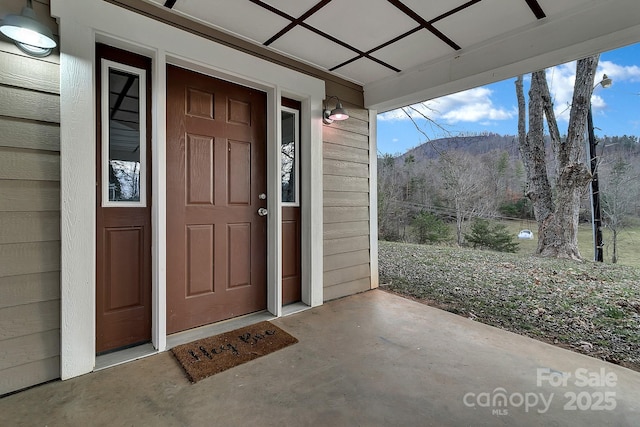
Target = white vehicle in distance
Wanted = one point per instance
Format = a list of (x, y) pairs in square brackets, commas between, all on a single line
[(525, 234)]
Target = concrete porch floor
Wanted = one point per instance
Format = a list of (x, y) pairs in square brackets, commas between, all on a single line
[(372, 359)]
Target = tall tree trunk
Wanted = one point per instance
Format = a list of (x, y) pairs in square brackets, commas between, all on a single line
[(557, 218), (559, 234), (533, 154)]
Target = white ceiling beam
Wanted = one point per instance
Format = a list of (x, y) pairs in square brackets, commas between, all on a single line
[(597, 27)]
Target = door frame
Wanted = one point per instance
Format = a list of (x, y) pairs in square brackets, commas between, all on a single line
[(81, 26)]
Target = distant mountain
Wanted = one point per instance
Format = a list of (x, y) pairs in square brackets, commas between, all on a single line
[(474, 144), (486, 142)]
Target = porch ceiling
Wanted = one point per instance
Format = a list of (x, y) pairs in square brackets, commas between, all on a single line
[(404, 51)]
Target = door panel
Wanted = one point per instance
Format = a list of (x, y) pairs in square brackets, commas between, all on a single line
[(291, 275), (123, 221), (123, 266), (200, 269), (216, 168), (200, 161)]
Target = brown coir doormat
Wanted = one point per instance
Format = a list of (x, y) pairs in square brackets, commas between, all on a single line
[(203, 358)]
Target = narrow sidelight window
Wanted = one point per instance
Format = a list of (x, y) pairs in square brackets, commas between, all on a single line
[(123, 135), (290, 155)]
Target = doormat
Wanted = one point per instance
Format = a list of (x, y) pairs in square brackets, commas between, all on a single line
[(209, 356)]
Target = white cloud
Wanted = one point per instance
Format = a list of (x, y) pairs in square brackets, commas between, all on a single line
[(619, 72), (562, 78), (476, 105), (473, 105)]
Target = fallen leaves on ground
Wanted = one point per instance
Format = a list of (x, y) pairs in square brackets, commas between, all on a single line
[(589, 307)]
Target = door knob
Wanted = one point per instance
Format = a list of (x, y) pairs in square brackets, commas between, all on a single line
[(262, 196), (262, 212)]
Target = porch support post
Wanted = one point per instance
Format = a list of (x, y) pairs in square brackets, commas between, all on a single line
[(78, 199), (312, 204), (274, 205), (373, 197)]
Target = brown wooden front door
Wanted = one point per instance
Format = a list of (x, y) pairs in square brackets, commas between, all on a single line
[(123, 212), (216, 172)]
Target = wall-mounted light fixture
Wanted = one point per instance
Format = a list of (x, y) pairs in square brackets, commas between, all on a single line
[(338, 113), (29, 34), (605, 82)]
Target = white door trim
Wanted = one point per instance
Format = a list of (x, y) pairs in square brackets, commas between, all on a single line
[(82, 24)]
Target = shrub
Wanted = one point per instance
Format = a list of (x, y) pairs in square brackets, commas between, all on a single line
[(487, 236), (429, 228), (520, 208)]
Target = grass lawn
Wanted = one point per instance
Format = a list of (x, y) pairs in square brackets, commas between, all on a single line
[(589, 307), (628, 242)]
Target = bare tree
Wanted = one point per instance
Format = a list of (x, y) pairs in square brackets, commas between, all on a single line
[(556, 209), (390, 193), (619, 192), (465, 186)]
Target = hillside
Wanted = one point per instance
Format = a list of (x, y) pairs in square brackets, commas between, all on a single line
[(479, 144), (482, 176), (473, 144)]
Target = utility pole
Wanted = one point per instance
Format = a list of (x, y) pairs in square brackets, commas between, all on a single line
[(592, 158), (596, 212)]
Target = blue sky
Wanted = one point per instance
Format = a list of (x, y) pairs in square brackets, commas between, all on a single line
[(493, 108)]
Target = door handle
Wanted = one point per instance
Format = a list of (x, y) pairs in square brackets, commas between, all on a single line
[(262, 212)]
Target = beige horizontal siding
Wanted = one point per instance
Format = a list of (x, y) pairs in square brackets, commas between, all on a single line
[(345, 199), (346, 274), (23, 376), (339, 136), (342, 214), (347, 288), (339, 261), (23, 133), (29, 212), (347, 257), (346, 245), (30, 105), (29, 319), (342, 230), (27, 258), (29, 196), (29, 165), (23, 227), (346, 183), (30, 348), (341, 152), (343, 168), (29, 288), (358, 124), (20, 71)]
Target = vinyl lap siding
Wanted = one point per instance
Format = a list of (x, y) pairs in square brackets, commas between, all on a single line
[(29, 215), (347, 268)]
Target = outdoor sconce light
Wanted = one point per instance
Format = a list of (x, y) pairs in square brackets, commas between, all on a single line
[(30, 35), (338, 113), (606, 81)]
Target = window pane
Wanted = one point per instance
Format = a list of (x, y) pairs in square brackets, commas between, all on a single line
[(124, 136), (289, 162)]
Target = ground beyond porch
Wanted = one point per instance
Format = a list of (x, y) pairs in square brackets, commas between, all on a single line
[(369, 359)]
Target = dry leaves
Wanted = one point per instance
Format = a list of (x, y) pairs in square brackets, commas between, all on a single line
[(589, 307)]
